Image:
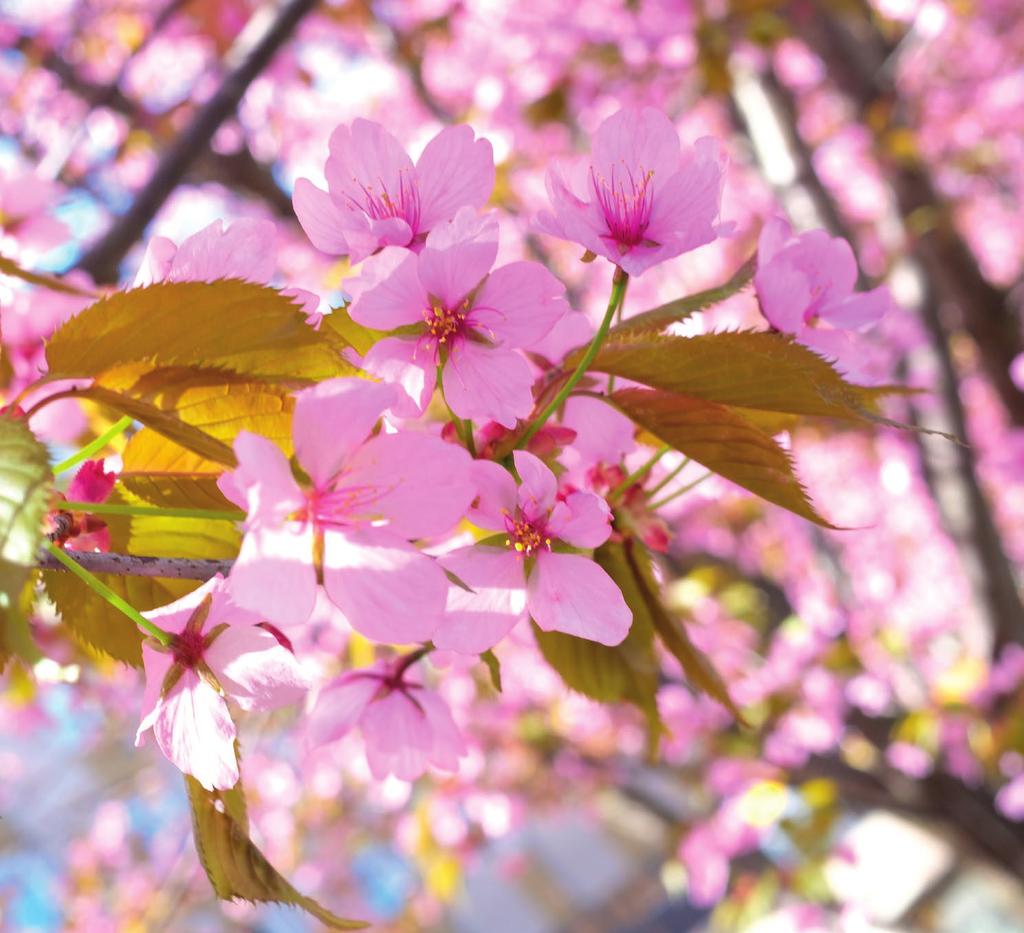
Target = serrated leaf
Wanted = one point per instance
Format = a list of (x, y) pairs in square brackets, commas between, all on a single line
[(659, 318), (252, 330), (237, 869), (54, 284), (610, 674), (750, 369), (92, 621), (26, 487), (182, 537), (723, 441), (16, 595), (160, 472), (200, 409), (355, 335), (697, 667)]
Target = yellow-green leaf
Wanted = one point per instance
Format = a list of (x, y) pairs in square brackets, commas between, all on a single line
[(26, 487), (751, 369), (237, 869), (252, 330), (723, 441), (160, 472), (355, 335), (16, 597)]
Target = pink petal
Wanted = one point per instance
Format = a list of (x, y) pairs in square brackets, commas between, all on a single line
[(173, 616), (408, 363), (245, 250), (264, 478), (156, 261), (389, 293), (860, 310), (255, 669), (447, 744), (495, 495), (366, 159), (519, 304), (603, 434), (387, 589), (194, 730), (92, 483), (482, 383), (332, 419), (775, 234), (639, 141), (422, 484), (454, 171), (784, 294), (477, 621), (321, 219), (582, 520), (156, 665), (451, 274), (398, 737), (538, 487), (273, 574), (340, 705), (467, 225), (572, 594)]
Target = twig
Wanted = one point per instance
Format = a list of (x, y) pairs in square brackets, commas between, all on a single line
[(134, 565)]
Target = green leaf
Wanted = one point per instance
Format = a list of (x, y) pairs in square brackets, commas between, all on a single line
[(697, 667), (752, 369), (16, 596), (611, 674), (723, 441), (251, 330), (355, 335), (493, 668), (657, 319), (93, 622), (160, 472), (26, 487), (237, 869), (54, 284)]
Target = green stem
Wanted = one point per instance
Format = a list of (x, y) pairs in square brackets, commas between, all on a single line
[(93, 447), (619, 283), (117, 508), (101, 589), (464, 428), (680, 491), (637, 474), (653, 491)]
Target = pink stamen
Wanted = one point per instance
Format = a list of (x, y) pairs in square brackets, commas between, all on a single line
[(626, 203), (379, 204)]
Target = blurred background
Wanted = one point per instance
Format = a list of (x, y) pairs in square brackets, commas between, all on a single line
[(881, 786)]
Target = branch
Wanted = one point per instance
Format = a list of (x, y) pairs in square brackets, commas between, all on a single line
[(103, 258), (133, 565)]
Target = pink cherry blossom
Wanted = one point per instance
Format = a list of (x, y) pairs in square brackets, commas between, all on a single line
[(351, 526), (458, 315), (561, 591), (218, 652), (642, 199), (92, 483), (805, 285), (405, 726), (376, 197)]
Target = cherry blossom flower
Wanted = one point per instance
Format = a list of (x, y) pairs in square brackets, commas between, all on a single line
[(805, 285), (218, 652), (642, 199), (527, 576), (405, 727), (92, 483), (350, 527), (458, 315), (376, 197)]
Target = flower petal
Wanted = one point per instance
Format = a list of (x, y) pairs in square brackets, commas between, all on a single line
[(255, 669), (477, 621), (398, 737), (340, 705), (409, 364), (320, 217), (454, 171), (451, 274), (538, 487), (495, 495), (387, 589), (274, 575), (582, 520), (488, 383), (388, 292), (519, 304), (572, 594)]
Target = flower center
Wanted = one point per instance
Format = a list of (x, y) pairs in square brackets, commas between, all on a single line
[(626, 200), (332, 508), (188, 647), (443, 323), (379, 204), (525, 536)]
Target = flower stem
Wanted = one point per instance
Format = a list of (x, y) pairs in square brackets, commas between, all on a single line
[(101, 589), (654, 490), (463, 427), (119, 427), (680, 491), (117, 508), (619, 283), (637, 474)]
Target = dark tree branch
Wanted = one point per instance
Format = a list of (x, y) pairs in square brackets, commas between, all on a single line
[(134, 565), (102, 260)]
